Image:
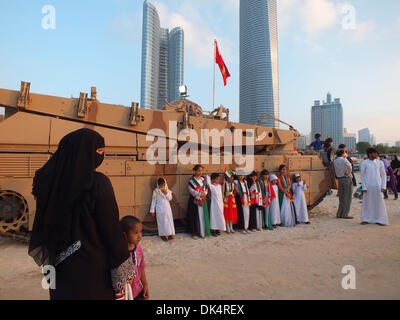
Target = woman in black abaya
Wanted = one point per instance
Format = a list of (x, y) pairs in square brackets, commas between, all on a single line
[(76, 227)]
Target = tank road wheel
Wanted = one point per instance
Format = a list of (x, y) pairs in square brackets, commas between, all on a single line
[(13, 212)]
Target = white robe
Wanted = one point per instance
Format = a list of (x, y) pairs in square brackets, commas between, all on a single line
[(300, 203), (373, 180), (246, 208), (161, 207), (217, 219), (200, 211), (274, 208), (287, 214)]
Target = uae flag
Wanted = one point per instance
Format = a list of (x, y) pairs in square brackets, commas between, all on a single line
[(220, 62)]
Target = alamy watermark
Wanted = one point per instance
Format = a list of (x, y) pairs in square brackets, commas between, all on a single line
[(349, 20), (235, 141), (349, 281), (49, 18), (49, 279)]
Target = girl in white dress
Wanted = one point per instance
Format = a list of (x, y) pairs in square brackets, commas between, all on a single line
[(217, 219), (161, 208), (300, 204), (274, 208), (286, 200)]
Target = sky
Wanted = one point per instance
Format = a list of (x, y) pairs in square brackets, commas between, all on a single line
[(350, 48)]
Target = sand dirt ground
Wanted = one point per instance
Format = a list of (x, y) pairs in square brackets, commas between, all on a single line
[(300, 263)]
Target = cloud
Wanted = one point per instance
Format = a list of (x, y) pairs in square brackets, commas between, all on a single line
[(125, 28), (199, 37), (319, 15), (363, 32)]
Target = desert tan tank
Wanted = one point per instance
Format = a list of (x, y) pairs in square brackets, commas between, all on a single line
[(34, 124)]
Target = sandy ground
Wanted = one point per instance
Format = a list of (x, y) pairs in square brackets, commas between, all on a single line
[(300, 263)]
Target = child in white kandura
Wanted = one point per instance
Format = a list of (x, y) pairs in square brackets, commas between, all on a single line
[(275, 208), (217, 219), (161, 208), (300, 204)]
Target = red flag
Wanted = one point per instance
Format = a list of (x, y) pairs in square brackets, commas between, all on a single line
[(221, 64)]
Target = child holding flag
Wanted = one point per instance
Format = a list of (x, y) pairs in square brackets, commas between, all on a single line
[(243, 202), (274, 199), (198, 215), (230, 211), (286, 200)]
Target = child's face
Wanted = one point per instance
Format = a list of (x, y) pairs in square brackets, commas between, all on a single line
[(198, 172), (284, 171), (266, 177), (217, 180), (231, 179), (298, 179), (254, 178), (274, 182), (241, 178), (162, 186), (134, 235)]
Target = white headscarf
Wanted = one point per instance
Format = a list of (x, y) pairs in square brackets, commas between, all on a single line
[(273, 177), (157, 191)]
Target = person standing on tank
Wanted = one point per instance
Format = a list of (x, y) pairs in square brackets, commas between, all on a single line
[(76, 228)]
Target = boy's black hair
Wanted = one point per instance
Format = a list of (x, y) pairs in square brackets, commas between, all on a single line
[(264, 173), (282, 166), (197, 167), (160, 181), (317, 136), (128, 223), (371, 151), (215, 176), (253, 174), (342, 146), (340, 153)]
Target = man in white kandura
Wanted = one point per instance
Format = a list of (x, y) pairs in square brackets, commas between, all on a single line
[(373, 180)]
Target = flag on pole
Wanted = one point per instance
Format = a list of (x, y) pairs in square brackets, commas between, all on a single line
[(221, 64)]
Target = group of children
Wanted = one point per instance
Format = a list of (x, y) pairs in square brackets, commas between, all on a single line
[(246, 203)]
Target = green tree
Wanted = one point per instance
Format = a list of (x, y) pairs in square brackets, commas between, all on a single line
[(362, 147)]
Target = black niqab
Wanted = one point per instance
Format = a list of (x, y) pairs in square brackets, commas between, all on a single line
[(59, 187)]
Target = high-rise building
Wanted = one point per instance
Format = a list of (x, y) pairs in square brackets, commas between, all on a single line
[(162, 60), (373, 140), (259, 76), (327, 119), (350, 140), (301, 143), (364, 135)]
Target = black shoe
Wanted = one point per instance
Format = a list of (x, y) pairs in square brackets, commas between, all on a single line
[(348, 218)]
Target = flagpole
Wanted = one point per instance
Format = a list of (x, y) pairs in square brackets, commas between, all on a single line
[(215, 49)]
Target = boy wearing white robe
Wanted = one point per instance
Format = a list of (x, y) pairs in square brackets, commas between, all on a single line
[(217, 219), (373, 180), (275, 208), (300, 204), (161, 208)]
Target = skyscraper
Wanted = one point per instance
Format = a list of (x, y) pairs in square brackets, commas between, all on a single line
[(350, 140), (162, 60), (327, 119), (364, 135), (259, 76)]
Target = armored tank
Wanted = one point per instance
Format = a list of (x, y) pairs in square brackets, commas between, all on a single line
[(141, 146)]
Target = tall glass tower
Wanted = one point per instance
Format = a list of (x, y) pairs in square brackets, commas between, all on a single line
[(259, 75), (162, 60)]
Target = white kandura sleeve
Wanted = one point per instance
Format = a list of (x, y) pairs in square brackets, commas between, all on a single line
[(304, 187), (382, 173), (363, 170), (169, 195), (153, 205)]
